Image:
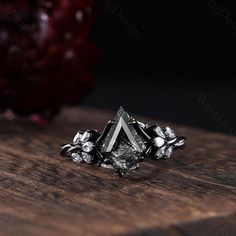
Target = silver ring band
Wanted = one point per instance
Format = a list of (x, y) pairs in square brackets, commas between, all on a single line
[(123, 144)]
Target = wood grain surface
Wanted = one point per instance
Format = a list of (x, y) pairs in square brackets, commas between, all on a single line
[(194, 193)]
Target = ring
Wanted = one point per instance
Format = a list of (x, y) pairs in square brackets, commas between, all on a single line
[(123, 144)]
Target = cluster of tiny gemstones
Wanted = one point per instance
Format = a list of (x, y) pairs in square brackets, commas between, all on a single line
[(83, 149), (163, 142)]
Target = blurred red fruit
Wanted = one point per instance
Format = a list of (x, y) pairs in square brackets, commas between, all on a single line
[(45, 56)]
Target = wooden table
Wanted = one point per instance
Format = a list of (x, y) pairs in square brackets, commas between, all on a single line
[(194, 193)]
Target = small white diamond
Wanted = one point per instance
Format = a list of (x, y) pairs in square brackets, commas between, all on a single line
[(85, 137), (169, 152), (170, 133), (76, 157), (159, 142), (88, 147), (87, 158), (77, 137), (159, 132), (160, 153)]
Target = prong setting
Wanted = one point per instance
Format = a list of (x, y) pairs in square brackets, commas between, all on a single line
[(123, 144)]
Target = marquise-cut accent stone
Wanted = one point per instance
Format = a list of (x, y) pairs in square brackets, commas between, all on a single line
[(169, 152), (170, 133), (76, 157), (85, 137), (159, 132), (88, 147), (77, 137), (87, 158), (160, 153), (159, 142)]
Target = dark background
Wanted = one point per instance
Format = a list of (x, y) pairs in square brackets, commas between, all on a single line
[(161, 59)]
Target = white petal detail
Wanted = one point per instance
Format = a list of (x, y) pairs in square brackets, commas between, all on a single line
[(160, 152), (170, 133), (87, 158), (76, 157), (169, 152), (158, 130), (77, 137), (88, 147), (85, 137), (159, 142)]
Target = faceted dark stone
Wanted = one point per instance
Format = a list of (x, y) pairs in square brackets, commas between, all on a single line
[(122, 122), (123, 146)]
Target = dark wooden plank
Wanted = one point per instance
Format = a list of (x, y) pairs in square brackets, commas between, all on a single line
[(194, 193)]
